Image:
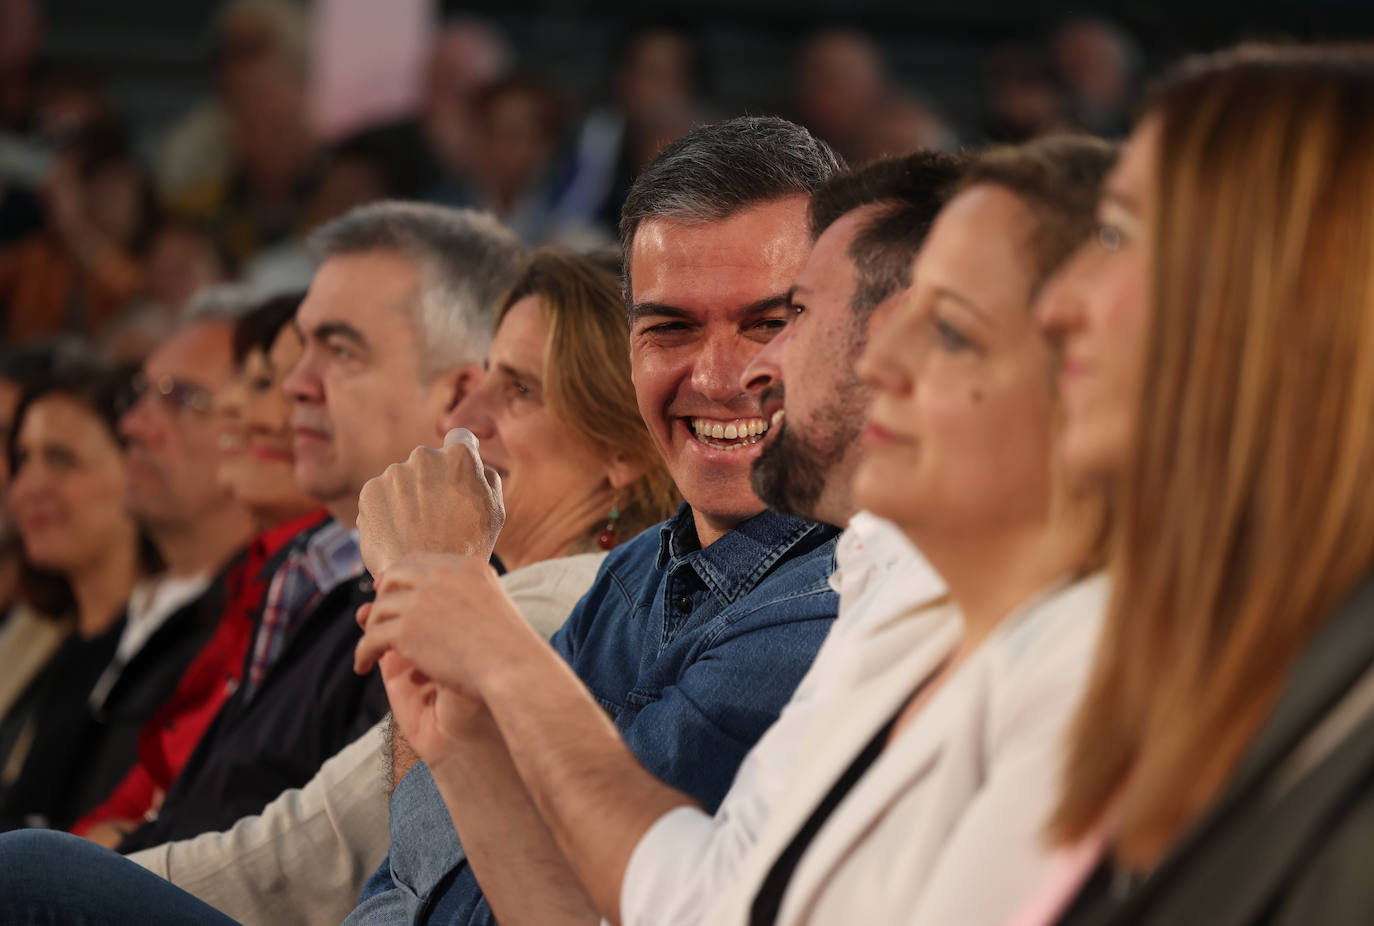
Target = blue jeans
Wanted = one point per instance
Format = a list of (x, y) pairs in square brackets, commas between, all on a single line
[(47, 877)]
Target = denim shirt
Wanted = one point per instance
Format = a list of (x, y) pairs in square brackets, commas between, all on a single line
[(692, 651)]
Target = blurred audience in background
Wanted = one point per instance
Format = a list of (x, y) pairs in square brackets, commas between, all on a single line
[(82, 555)]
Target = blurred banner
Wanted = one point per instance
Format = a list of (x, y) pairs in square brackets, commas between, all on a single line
[(367, 63)]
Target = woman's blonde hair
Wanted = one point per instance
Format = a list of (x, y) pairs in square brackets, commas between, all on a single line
[(587, 375), (1245, 513)]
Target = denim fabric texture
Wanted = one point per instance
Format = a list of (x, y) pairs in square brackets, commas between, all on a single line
[(693, 652), (49, 878)]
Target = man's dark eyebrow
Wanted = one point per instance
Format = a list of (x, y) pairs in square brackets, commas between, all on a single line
[(768, 304), (326, 330), (661, 309), (664, 310)]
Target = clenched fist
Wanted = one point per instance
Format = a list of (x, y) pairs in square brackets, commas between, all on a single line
[(437, 501)]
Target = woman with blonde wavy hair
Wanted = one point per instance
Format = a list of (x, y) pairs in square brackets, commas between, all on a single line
[(1218, 371)]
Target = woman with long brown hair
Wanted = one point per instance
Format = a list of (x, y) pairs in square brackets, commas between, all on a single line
[(1218, 370)]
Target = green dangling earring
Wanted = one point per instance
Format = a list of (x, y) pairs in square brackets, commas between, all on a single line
[(607, 539)]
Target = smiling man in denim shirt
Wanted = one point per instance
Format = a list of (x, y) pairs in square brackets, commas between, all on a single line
[(694, 635)]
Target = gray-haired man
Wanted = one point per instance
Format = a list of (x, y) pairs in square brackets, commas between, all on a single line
[(396, 320)]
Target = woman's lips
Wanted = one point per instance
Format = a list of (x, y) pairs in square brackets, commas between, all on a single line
[(273, 455)]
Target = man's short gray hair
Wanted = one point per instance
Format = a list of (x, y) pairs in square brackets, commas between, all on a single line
[(467, 261), (717, 170)]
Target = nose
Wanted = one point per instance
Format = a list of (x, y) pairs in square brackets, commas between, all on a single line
[(896, 347), (28, 483), (765, 370), (475, 412), (718, 368), (302, 383), (1059, 306), (139, 422)]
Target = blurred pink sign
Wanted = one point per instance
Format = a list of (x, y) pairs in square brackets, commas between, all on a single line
[(368, 61)]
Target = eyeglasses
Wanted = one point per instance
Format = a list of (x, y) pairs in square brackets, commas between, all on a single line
[(172, 393)]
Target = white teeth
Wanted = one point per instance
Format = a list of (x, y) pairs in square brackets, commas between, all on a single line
[(777, 416), (745, 431)]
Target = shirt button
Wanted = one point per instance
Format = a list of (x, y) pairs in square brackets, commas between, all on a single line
[(684, 605)]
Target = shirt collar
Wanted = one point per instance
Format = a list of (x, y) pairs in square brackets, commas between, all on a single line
[(333, 555), (271, 541), (733, 565)]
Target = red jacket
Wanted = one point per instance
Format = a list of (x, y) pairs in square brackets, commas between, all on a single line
[(170, 737)]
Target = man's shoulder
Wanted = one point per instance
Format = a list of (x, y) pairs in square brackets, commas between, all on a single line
[(798, 583)]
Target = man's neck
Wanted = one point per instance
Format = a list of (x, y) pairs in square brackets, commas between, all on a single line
[(711, 528), (345, 511), (205, 545)]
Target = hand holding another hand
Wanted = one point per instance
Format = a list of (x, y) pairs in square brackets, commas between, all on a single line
[(437, 501), (448, 616)]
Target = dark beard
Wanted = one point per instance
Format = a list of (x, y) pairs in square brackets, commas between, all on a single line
[(789, 474)]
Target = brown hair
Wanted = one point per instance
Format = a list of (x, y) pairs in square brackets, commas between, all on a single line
[(587, 374), (1058, 177), (1244, 514)]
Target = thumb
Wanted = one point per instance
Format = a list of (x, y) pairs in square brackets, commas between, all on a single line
[(461, 436), (494, 480)]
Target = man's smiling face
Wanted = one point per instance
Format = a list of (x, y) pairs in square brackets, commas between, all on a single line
[(706, 298)]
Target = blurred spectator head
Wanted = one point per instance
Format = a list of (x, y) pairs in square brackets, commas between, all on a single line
[(270, 134), (69, 105), (249, 34), (116, 195), (21, 35), (20, 368), (170, 426), (67, 491), (521, 120), (256, 457), (1100, 66), (468, 55), (841, 82), (1025, 98), (372, 165), (394, 322), (183, 258), (904, 125), (660, 68), (134, 334)]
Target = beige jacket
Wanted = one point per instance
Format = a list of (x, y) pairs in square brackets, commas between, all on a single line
[(945, 826), (303, 860)]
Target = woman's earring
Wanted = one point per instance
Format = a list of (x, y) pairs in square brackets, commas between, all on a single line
[(606, 540)]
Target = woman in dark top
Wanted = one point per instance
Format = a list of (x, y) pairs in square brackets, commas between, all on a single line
[(82, 556)]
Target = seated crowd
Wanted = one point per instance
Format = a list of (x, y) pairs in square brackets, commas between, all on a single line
[(959, 539)]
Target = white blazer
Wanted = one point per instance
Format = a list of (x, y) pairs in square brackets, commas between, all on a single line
[(944, 829)]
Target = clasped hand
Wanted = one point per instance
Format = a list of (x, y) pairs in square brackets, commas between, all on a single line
[(437, 501), (440, 625)]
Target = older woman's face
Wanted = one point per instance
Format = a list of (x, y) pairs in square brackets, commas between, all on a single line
[(67, 493), (549, 473), (260, 469), (959, 433), (1096, 306)]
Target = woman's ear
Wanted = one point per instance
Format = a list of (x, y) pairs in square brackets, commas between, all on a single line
[(623, 471)]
